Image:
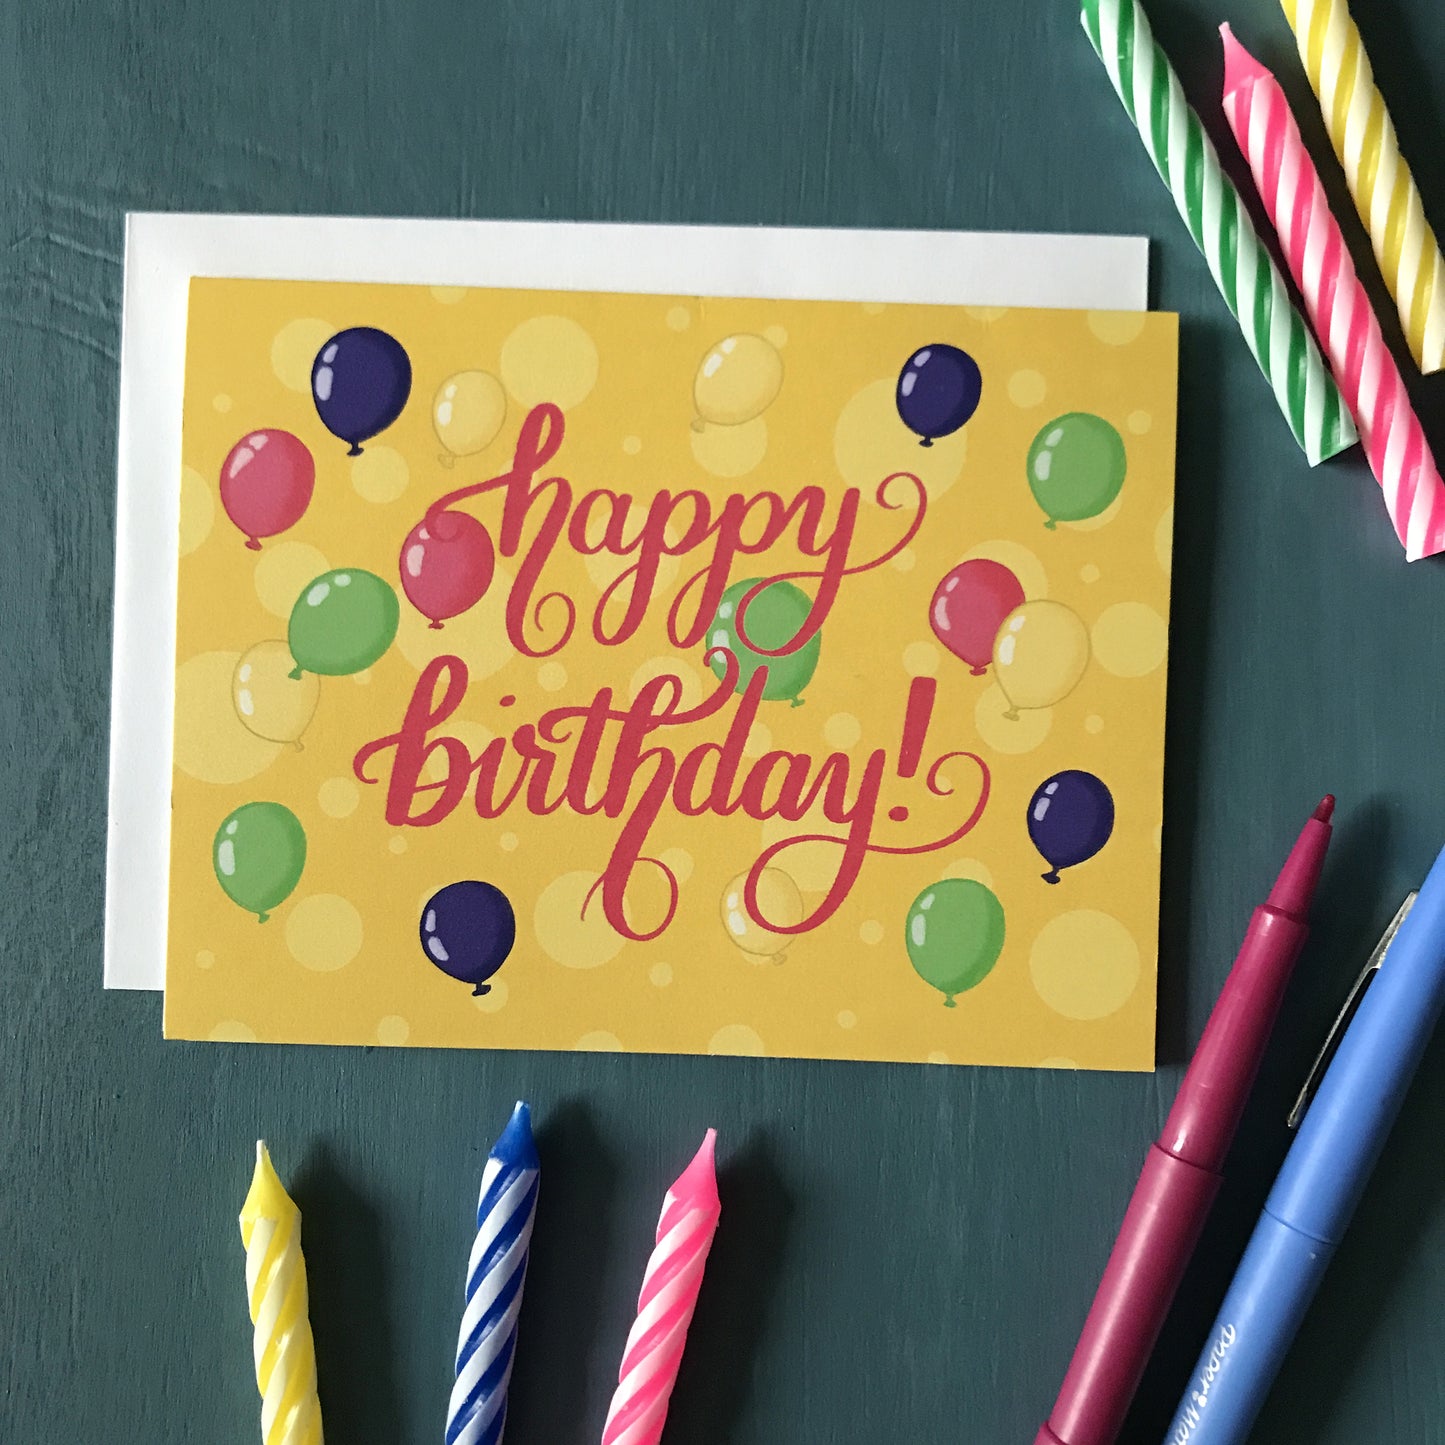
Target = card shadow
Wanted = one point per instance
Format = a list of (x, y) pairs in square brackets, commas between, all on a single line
[(551, 1395), (347, 1276), (1350, 912), (729, 1329), (1202, 352)]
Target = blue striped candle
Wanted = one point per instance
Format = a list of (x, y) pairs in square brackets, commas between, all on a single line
[(495, 1274)]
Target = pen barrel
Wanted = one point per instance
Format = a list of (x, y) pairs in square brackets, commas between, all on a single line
[(1348, 1120), (1207, 1109), (1276, 1280), (1161, 1226)]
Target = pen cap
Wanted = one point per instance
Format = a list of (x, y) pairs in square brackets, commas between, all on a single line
[(1344, 1128)]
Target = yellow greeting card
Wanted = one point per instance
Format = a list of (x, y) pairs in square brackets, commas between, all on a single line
[(664, 674)]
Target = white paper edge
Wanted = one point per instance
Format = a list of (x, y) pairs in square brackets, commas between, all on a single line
[(162, 253)]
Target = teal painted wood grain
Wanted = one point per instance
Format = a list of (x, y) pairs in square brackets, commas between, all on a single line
[(905, 1253)]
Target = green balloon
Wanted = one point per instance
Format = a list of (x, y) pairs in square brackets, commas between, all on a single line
[(774, 616), (1076, 467), (342, 622), (954, 934), (258, 854)]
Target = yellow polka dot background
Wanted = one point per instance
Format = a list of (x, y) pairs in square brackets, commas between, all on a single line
[(340, 959)]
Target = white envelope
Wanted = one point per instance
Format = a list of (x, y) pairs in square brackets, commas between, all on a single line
[(162, 253)]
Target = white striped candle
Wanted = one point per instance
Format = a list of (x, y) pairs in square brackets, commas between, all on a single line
[(496, 1272)]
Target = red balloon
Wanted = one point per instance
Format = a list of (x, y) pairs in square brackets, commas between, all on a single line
[(266, 483), (446, 564), (969, 607)]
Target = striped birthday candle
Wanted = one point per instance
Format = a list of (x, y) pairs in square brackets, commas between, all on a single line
[(285, 1355), (1385, 193), (1319, 260), (495, 1275), (664, 1308), (1242, 268)]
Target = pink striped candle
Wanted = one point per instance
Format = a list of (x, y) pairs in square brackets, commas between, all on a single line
[(664, 1308), (1320, 263)]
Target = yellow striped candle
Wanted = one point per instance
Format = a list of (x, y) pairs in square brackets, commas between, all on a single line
[(276, 1288), (1384, 190)]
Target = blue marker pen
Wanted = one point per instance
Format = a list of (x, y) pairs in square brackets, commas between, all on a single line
[(1324, 1174)]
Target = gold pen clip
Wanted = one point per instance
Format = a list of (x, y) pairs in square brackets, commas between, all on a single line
[(1347, 1012)]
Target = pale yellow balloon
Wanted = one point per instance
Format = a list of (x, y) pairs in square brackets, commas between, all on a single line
[(268, 700), (779, 901), (210, 743), (738, 379), (1039, 655), (468, 412)]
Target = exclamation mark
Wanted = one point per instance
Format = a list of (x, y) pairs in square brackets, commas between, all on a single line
[(916, 717)]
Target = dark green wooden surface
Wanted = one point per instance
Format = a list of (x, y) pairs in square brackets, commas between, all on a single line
[(906, 1253)]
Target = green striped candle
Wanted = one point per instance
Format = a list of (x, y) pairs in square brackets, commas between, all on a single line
[(1242, 268)]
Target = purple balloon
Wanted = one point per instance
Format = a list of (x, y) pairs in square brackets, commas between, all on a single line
[(938, 390), (467, 931), (360, 381), (1071, 816)]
